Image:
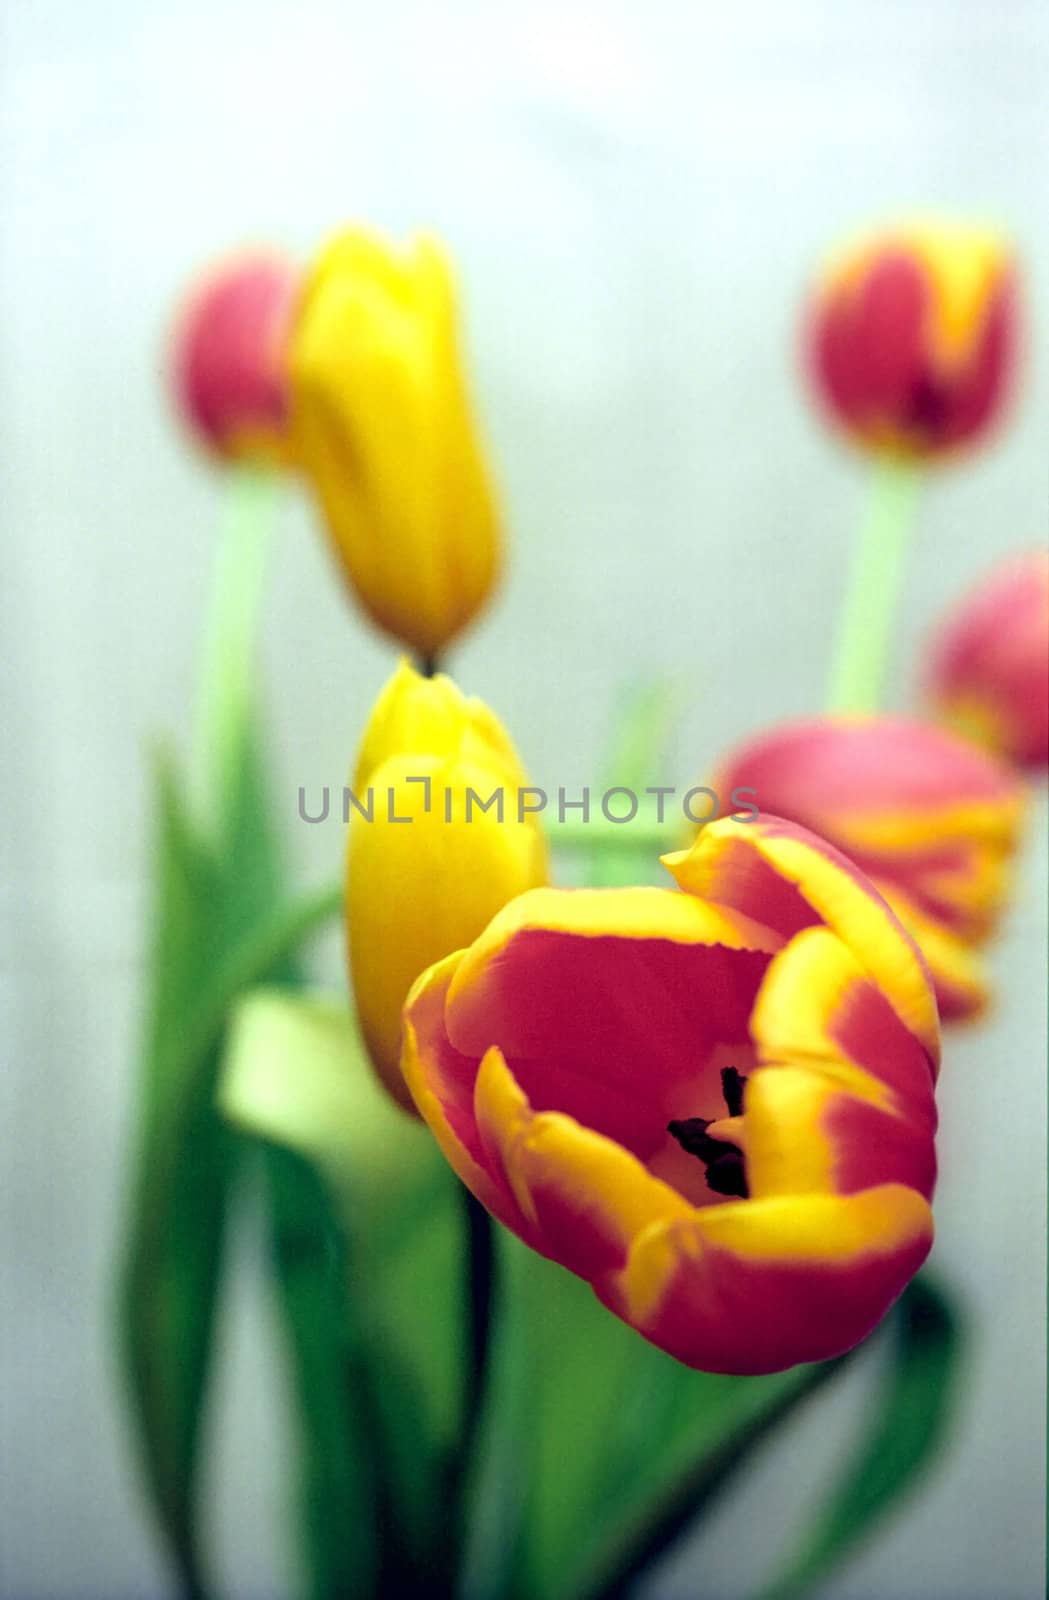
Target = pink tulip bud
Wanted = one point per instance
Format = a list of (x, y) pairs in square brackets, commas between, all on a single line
[(230, 356), (988, 672), (910, 338)]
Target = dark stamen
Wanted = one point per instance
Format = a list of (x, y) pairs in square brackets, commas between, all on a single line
[(724, 1162), (691, 1134), (727, 1175), (732, 1083)]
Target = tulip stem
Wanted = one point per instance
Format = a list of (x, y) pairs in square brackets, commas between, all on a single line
[(481, 1269), (644, 834), (227, 677), (481, 1286), (857, 678)]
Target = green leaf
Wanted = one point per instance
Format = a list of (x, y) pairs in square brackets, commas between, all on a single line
[(295, 1073), (176, 1225), (620, 1441), (186, 1161), (629, 1450), (296, 1076), (625, 853), (337, 1436), (706, 1458), (247, 848), (336, 1469), (340, 1470), (222, 924), (909, 1422), (184, 878)]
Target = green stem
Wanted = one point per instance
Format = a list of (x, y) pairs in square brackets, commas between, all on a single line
[(228, 672), (861, 652), (481, 1288), (642, 834), (482, 1283), (479, 1260)]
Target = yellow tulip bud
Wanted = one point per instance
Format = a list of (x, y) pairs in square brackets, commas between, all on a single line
[(427, 866), (383, 429)]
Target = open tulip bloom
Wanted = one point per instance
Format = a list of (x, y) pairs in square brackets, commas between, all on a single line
[(713, 1103)]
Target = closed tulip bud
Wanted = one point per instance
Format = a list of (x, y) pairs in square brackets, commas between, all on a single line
[(988, 673), (229, 357), (431, 855), (714, 1103), (910, 338), (930, 819), (384, 430)]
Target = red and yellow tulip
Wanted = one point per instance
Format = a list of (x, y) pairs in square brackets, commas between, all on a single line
[(930, 819), (910, 337), (988, 672), (385, 432), (429, 868), (716, 1105), (229, 357)]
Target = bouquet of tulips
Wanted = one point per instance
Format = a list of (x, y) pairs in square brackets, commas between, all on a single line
[(580, 1193)]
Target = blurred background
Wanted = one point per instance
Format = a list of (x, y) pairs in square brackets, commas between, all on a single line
[(636, 196)]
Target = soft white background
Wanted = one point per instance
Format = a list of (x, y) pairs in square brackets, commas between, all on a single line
[(635, 194)]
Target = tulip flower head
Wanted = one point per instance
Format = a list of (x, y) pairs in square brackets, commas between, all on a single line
[(230, 353), (988, 674), (930, 819), (714, 1103), (384, 430), (910, 338), (430, 867)]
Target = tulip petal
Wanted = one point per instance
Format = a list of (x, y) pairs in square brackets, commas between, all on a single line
[(432, 717), (818, 1003), (881, 775), (441, 1085), (989, 668), (761, 1285), (745, 869), (618, 1005), (417, 889), (981, 387), (860, 1110), (583, 1198), (958, 972), (931, 820), (824, 1127), (889, 316)]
